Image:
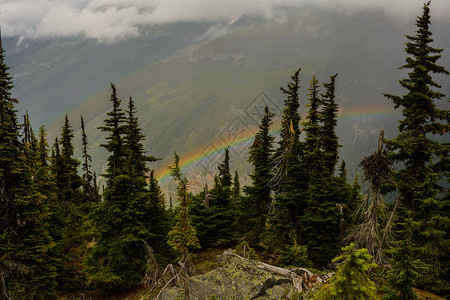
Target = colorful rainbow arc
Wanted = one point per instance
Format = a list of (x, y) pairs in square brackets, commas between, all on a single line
[(244, 138)]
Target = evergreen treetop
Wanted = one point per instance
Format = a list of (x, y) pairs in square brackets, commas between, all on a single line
[(114, 126), (414, 145)]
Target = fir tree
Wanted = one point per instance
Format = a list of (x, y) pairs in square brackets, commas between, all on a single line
[(158, 222), (351, 281), (254, 210), (236, 190), (87, 160), (289, 179), (405, 269), (68, 180), (182, 237), (320, 220), (328, 117), (118, 259), (114, 126), (26, 269), (422, 158), (137, 159), (414, 146), (225, 177)]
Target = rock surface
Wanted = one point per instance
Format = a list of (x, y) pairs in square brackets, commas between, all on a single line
[(238, 279)]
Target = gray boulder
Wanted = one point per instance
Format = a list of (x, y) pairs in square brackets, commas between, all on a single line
[(238, 279)]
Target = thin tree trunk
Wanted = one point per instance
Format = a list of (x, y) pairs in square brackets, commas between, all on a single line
[(186, 276)]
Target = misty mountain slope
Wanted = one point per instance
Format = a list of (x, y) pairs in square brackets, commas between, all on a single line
[(54, 76), (193, 103)]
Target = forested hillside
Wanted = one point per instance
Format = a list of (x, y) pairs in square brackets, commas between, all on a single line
[(64, 236)]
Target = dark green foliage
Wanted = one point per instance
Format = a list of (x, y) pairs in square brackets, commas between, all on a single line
[(328, 116), (182, 237), (26, 269), (421, 157), (158, 222), (114, 126), (351, 281), (136, 157), (320, 220), (67, 179), (118, 258), (243, 249), (352, 218), (405, 269), (289, 176), (253, 210), (236, 189), (87, 160), (225, 178), (213, 213), (414, 145), (295, 256)]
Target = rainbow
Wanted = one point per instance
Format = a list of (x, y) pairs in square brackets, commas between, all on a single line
[(244, 139)]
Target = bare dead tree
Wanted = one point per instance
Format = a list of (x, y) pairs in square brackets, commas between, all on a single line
[(372, 209)]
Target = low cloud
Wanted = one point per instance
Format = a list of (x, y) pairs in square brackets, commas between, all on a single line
[(113, 20)]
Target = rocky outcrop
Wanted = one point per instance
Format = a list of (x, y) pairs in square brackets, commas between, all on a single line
[(240, 279)]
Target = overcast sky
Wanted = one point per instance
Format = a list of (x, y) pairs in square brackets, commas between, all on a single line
[(112, 20)]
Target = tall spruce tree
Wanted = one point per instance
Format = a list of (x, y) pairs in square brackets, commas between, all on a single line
[(320, 220), (183, 237), (405, 269), (118, 259), (289, 179), (422, 159), (328, 116), (158, 222), (414, 146), (86, 165), (26, 269), (254, 210), (114, 126), (133, 138)]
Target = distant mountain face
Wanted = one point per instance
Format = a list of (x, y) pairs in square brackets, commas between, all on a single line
[(200, 87)]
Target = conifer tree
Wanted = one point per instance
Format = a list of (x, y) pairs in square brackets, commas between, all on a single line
[(183, 237), (225, 177), (320, 220), (133, 138), (158, 222), (85, 167), (328, 117), (414, 145), (43, 179), (351, 280), (118, 259), (423, 160), (405, 269), (26, 269), (254, 210), (236, 190), (289, 179), (114, 126), (221, 211), (68, 180)]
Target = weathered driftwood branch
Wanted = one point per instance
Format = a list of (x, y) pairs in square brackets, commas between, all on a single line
[(297, 281), (176, 276)]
